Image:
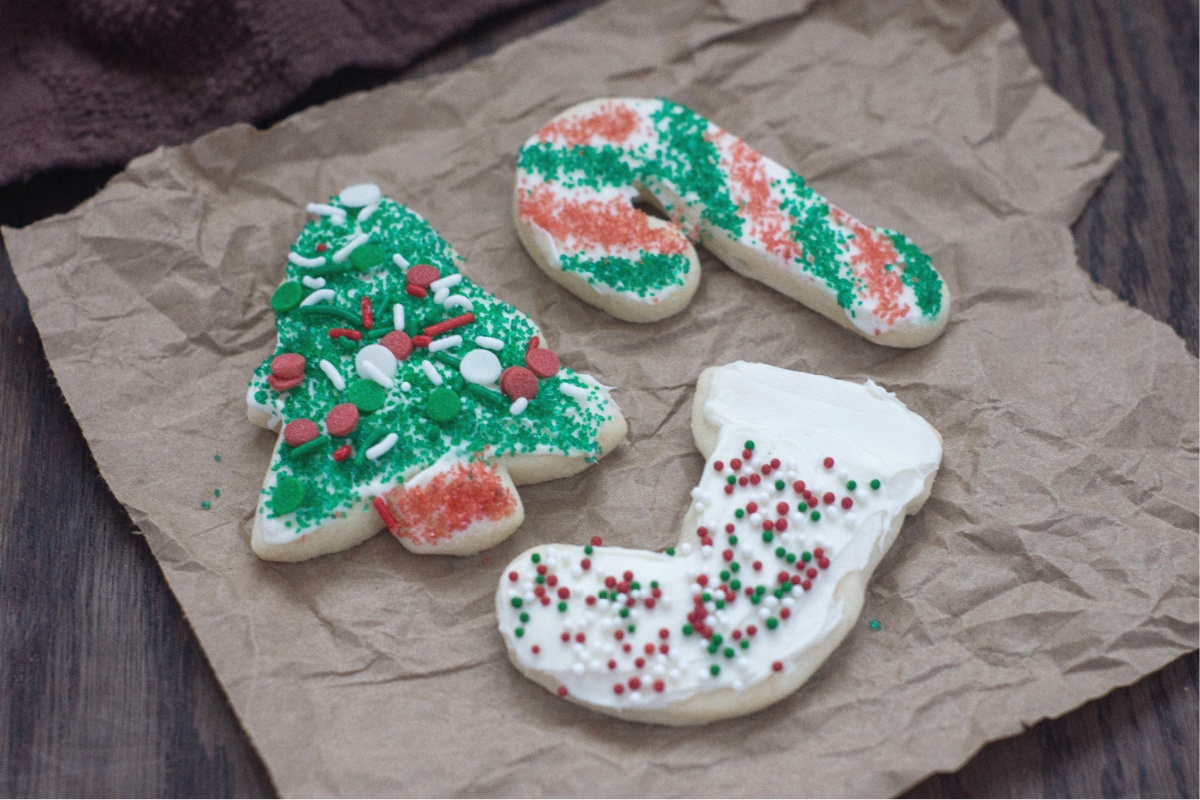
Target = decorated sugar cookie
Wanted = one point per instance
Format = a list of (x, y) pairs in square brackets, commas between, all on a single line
[(406, 396), (578, 177), (807, 482)]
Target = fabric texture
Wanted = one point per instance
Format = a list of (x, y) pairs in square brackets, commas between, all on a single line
[(85, 83)]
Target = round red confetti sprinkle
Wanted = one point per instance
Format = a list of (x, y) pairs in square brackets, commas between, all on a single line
[(729, 528), (702, 531), (777, 666), (342, 419), (663, 633), (612, 664), (288, 366), (798, 487), (649, 648), (659, 685), (300, 431), (283, 386), (618, 688), (782, 577), (719, 465), (746, 454), (649, 602), (828, 497), (735, 464), (751, 630), (819, 552), (399, 343), (737, 634), (422, 275), (823, 563), (342, 453), (656, 592), (795, 579), (774, 463), (585, 564), (596, 541), (828, 463), (749, 591), (784, 613), (639, 662), (543, 362), (562, 691), (728, 489), (513, 576), (563, 593), (519, 382), (847, 502), (581, 637), (755, 479), (539, 590), (781, 525), (635, 683)]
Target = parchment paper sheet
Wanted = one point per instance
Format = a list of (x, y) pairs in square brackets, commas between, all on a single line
[(1056, 559)]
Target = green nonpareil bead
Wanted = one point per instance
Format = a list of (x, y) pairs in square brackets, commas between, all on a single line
[(875, 484), (772, 623)]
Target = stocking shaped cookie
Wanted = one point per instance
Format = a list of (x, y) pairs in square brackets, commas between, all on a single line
[(807, 482), (578, 177), (405, 395)]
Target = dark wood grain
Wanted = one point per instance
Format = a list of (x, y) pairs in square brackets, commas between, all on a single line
[(105, 691)]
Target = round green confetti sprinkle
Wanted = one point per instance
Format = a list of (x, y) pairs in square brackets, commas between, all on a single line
[(367, 396), (715, 669), (442, 405), (749, 445), (875, 624), (288, 495), (767, 536), (779, 485), (687, 629), (780, 552), (735, 584), (852, 485), (587, 549), (815, 516), (733, 539), (536, 558), (739, 513), (367, 256), (806, 556), (802, 507), (287, 296), (790, 558), (519, 632), (562, 605), (772, 623), (730, 652), (517, 602), (206, 505), (524, 617), (875, 484), (731, 480)]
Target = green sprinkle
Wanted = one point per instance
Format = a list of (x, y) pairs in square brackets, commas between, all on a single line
[(739, 513), (562, 605), (802, 507), (524, 616), (874, 624), (733, 539), (731, 480), (540, 579), (744, 644), (767, 536), (779, 485), (287, 296), (330, 311), (749, 445), (517, 602), (288, 496), (780, 552), (688, 629), (588, 549), (730, 652), (735, 584), (715, 669), (536, 558), (519, 632), (852, 485), (217, 457), (206, 505), (216, 492), (790, 558), (623, 613), (725, 575), (367, 396), (735, 566), (367, 256), (670, 551), (815, 516), (772, 623), (442, 405), (494, 398), (875, 484), (806, 556), (310, 447)]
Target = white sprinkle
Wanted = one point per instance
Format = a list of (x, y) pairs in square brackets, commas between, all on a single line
[(337, 214), (405, 386), (373, 372), (317, 296), (489, 342), (738, 685), (458, 301), (305, 261), (366, 213), (446, 282), (432, 373), (698, 506), (635, 697), (440, 295), (518, 405), (572, 390), (850, 519), (398, 317), (481, 366), (577, 668), (685, 549), (400, 261), (313, 283), (445, 343), (388, 443), (352, 245), (331, 372), (360, 194)]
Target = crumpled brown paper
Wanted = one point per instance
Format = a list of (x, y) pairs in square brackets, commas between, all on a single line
[(1056, 559)]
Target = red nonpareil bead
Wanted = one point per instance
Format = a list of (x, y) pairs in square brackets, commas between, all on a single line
[(747, 454), (618, 688), (719, 466), (828, 497), (798, 487), (702, 580), (784, 613), (513, 576), (751, 630), (542, 569), (828, 463), (702, 531), (749, 591), (562, 691), (535, 649), (664, 648), (781, 508), (566, 637), (729, 528), (806, 585), (847, 503), (648, 602), (823, 563), (628, 575), (755, 479), (656, 592), (539, 591), (581, 637), (774, 463), (659, 686), (766, 469), (781, 525), (630, 602), (639, 662), (610, 582), (635, 683), (757, 566), (612, 664), (590, 600), (811, 572), (596, 541), (751, 507), (563, 593), (727, 555), (585, 564), (742, 481), (737, 634), (618, 634), (663, 633), (782, 577), (795, 580), (818, 552), (552, 581), (627, 647), (728, 489), (777, 666), (768, 525), (735, 464), (649, 648), (545, 600)]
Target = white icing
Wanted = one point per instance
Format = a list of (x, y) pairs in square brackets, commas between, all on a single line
[(800, 420), (360, 195), (481, 367)]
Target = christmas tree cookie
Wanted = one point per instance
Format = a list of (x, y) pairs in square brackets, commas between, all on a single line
[(578, 178), (406, 396), (807, 482)]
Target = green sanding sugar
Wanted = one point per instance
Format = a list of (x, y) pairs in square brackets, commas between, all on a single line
[(367, 395), (288, 495), (442, 405), (287, 296)]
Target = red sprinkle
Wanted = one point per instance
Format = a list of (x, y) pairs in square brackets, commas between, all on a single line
[(585, 564), (823, 563), (784, 613), (342, 453), (612, 664), (322, 247), (781, 525), (755, 479), (596, 541), (742, 481), (535, 649), (342, 419), (439, 328), (543, 362), (347, 332), (566, 637), (751, 630), (735, 464), (719, 466), (659, 686), (828, 497), (381, 508), (300, 431), (399, 343), (619, 688), (799, 487), (421, 341), (519, 382), (513, 576), (777, 666), (774, 463), (283, 386), (728, 489), (288, 366), (828, 463), (367, 317), (421, 275), (562, 691), (663, 633), (635, 683), (416, 291), (747, 454), (819, 552), (581, 637), (847, 502), (781, 508)]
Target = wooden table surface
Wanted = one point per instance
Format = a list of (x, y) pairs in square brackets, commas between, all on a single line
[(104, 689)]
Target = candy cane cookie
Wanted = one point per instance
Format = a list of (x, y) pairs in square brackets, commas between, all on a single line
[(406, 396), (577, 180), (807, 482)]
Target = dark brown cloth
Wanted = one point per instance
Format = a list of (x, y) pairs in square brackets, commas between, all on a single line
[(85, 83)]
